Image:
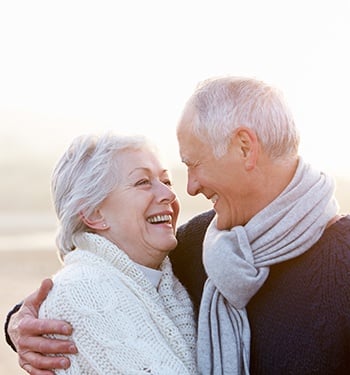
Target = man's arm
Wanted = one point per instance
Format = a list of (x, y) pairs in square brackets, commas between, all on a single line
[(24, 332)]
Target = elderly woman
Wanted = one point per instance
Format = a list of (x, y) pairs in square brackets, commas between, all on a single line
[(117, 213)]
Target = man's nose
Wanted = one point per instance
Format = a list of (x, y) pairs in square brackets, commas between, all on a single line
[(193, 186)]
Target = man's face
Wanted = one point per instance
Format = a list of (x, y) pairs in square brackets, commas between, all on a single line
[(224, 181)]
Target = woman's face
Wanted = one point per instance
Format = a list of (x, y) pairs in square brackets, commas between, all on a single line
[(141, 213)]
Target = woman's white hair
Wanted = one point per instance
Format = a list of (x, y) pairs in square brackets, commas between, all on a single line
[(83, 177), (220, 105)]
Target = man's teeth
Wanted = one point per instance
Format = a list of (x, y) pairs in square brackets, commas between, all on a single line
[(159, 219), (214, 198)]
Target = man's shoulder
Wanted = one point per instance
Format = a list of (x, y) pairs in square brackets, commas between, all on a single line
[(337, 236), (196, 225)]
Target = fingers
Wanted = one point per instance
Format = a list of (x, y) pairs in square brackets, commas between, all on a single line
[(27, 367), (28, 324), (30, 370), (34, 301), (26, 332), (31, 326), (45, 346), (33, 371), (33, 350), (36, 364), (25, 322)]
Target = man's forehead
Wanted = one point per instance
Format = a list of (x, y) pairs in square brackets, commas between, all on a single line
[(185, 125)]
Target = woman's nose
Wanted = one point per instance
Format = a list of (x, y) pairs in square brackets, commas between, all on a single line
[(166, 193)]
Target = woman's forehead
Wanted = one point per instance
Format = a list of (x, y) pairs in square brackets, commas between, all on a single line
[(142, 159)]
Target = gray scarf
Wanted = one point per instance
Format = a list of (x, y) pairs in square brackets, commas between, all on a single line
[(237, 263)]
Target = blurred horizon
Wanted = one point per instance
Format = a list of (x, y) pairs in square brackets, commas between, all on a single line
[(78, 67), (28, 221)]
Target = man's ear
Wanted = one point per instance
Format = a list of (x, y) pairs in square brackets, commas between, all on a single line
[(95, 220), (248, 144)]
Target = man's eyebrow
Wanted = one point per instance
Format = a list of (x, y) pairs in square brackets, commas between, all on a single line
[(189, 163)]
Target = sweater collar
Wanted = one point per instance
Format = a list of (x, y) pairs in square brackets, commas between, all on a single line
[(152, 275), (105, 249)]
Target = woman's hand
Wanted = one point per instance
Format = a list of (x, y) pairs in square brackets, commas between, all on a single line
[(26, 332)]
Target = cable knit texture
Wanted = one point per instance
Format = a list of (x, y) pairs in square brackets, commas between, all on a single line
[(300, 319), (122, 324)]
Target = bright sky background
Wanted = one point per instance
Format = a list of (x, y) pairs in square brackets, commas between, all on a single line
[(71, 66)]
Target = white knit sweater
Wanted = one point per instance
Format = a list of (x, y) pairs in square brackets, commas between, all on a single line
[(122, 324)]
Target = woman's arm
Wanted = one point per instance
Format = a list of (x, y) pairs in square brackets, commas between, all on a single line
[(24, 332)]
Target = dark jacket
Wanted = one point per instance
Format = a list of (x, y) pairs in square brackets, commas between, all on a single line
[(300, 318)]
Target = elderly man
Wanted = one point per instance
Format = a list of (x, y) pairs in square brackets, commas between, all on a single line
[(269, 267)]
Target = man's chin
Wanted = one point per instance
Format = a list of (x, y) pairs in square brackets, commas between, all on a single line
[(221, 224)]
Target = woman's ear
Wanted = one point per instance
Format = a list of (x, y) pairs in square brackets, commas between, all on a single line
[(95, 220), (248, 144)]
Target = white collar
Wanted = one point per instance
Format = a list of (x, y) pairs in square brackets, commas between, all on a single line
[(153, 275)]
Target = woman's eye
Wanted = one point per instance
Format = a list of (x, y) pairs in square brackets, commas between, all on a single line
[(143, 182)]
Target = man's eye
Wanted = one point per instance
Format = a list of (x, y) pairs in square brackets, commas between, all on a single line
[(167, 182)]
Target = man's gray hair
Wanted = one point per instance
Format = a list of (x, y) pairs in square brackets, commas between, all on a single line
[(220, 105)]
